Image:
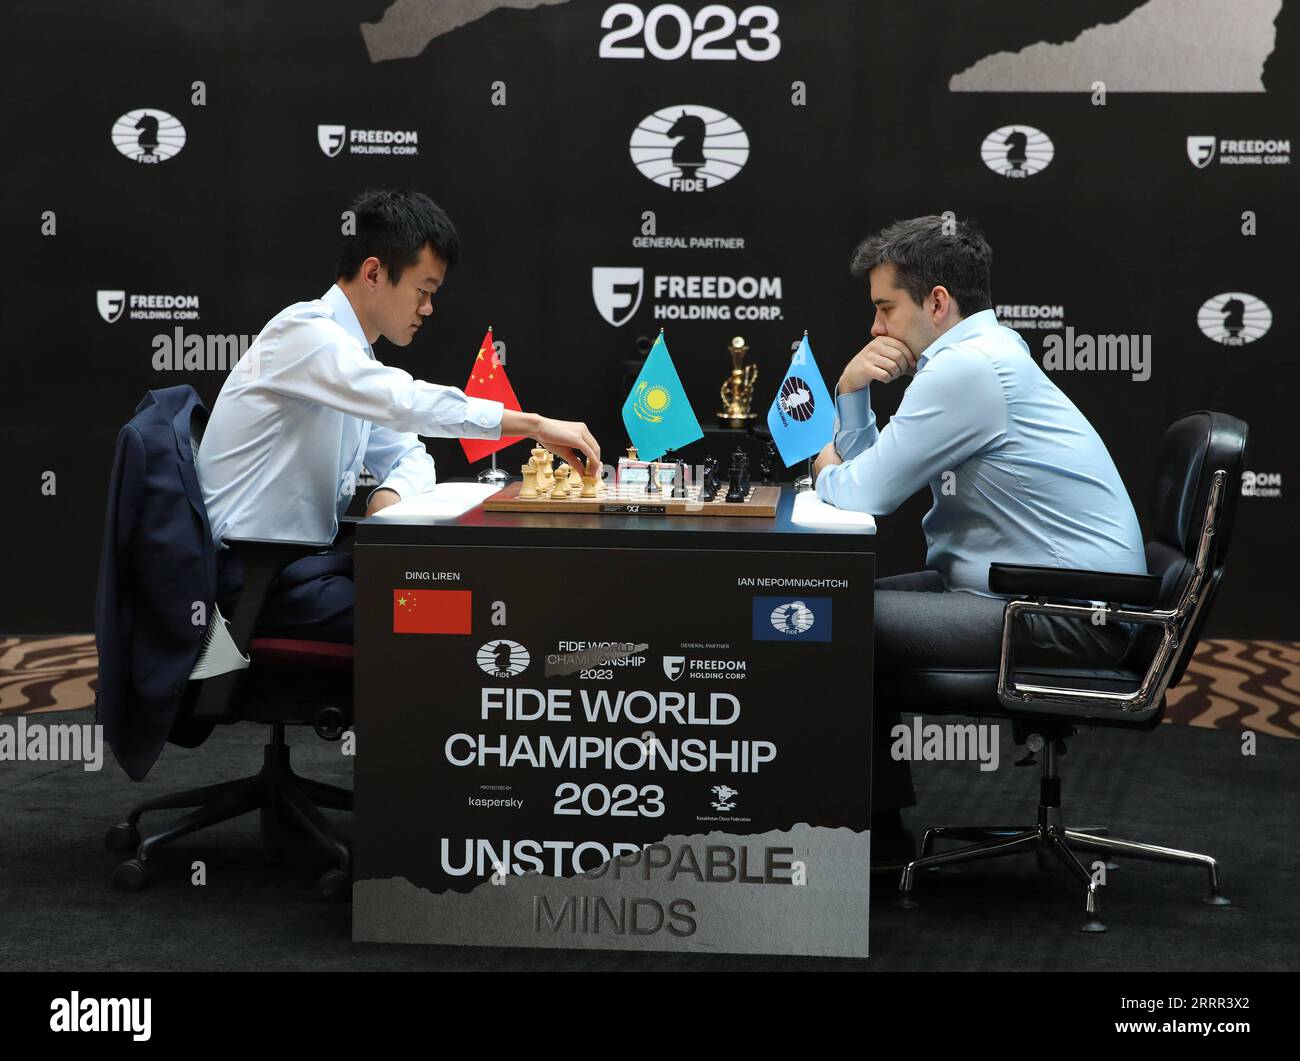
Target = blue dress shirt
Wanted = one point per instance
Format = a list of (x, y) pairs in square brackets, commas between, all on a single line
[(301, 412), (1017, 473)]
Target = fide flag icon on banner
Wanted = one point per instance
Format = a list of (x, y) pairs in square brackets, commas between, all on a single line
[(802, 417), (657, 415), (487, 379)]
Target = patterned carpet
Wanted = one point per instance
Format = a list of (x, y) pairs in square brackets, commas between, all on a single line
[(1233, 685)]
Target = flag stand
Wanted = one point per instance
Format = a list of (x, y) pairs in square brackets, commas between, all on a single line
[(805, 482), (495, 475)]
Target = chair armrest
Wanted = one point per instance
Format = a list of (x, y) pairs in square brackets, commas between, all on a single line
[(262, 561), (1027, 580)]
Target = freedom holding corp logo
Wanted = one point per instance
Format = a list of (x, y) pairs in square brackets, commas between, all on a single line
[(1234, 318), (617, 292), (332, 138), (792, 618), (1017, 151), (148, 135), (689, 148)]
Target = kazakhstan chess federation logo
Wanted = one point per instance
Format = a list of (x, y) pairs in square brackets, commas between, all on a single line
[(652, 401), (503, 658), (793, 618)]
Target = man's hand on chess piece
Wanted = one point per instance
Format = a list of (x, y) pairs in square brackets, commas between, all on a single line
[(882, 360), (566, 439), (828, 456)]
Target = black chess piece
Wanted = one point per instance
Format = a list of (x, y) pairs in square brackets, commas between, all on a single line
[(767, 463), (709, 488), (679, 480), (652, 480), (737, 474)]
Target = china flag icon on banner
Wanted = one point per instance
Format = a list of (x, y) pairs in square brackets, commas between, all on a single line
[(431, 611), (487, 379)]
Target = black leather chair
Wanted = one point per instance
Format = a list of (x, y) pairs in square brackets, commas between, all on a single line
[(1192, 504), (287, 682)]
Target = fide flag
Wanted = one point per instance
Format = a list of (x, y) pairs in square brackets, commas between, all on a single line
[(657, 415), (802, 417), (487, 379)]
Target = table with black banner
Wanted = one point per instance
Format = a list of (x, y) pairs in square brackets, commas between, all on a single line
[(613, 731)]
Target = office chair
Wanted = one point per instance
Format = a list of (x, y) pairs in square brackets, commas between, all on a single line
[(1193, 501), (278, 682)]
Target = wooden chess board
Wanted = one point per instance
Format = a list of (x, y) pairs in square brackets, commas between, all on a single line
[(630, 499)]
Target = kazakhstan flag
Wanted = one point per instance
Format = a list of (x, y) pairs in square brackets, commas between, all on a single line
[(657, 415), (802, 418)]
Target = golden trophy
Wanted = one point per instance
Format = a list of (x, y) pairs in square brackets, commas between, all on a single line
[(738, 391)]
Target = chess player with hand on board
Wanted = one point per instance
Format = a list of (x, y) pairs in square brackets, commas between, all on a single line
[(309, 404)]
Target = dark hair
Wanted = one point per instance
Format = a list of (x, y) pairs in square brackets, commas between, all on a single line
[(394, 227), (928, 252)]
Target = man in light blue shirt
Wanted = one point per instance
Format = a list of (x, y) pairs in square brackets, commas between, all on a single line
[(1017, 473), (309, 404)]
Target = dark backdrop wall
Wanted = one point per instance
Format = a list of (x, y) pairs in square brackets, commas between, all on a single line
[(1124, 212)]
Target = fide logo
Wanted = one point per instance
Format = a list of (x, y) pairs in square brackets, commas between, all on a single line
[(1234, 318), (148, 135), (617, 292), (503, 658), (111, 304), (1017, 151), (797, 399), (793, 618), (674, 667), (1200, 150), (689, 148)]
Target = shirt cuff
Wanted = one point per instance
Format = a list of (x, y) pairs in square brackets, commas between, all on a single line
[(854, 409), (482, 418)]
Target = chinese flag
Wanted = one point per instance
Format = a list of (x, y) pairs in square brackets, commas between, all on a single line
[(431, 611), (487, 379)]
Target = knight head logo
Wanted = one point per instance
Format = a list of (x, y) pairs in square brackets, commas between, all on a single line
[(148, 135), (502, 658), (1200, 150), (689, 148), (617, 292), (1234, 318), (793, 618), (797, 399), (1017, 151), (674, 667), (111, 304), (331, 138)]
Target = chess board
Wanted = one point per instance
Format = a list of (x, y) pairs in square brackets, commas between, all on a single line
[(632, 499)]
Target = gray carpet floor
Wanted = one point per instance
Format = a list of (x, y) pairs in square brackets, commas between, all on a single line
[(1177, 786)]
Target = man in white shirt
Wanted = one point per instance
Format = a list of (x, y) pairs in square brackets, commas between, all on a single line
[(309, 404)]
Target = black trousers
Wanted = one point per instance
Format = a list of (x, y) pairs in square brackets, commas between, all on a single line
[(920, 624), (312, 600)]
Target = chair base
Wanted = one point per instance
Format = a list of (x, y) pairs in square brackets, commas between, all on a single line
[(286, 803), (1053, 844)]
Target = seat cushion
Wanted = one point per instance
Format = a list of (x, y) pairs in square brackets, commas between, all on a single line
[(311, 655)]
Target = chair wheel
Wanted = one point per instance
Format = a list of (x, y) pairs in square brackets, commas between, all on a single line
[(1092, 924), (1217, 899), (131, 876), (336, 886), (905, 902), (123, 837)]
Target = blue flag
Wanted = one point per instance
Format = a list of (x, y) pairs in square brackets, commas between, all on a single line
[(802, 417), (657, 415)]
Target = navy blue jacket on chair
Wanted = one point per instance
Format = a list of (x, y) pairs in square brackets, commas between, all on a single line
[(157, 567)]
